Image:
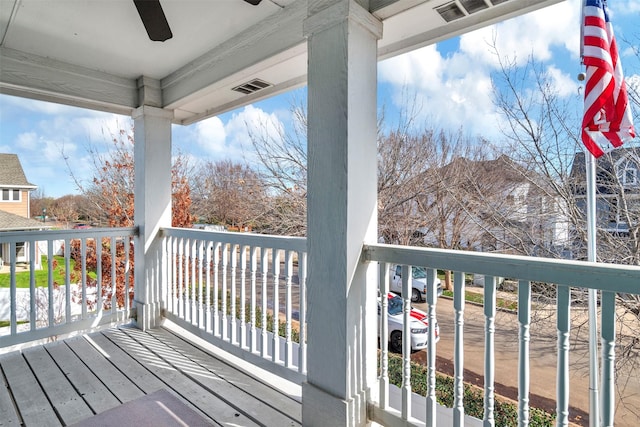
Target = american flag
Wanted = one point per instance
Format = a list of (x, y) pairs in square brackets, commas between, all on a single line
[(607, 121)]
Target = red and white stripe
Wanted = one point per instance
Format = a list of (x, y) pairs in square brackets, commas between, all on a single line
[(607, 121)]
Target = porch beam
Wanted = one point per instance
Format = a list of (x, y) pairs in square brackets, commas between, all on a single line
[(152, 158), (274, 40), (342, 212), (45, 79)]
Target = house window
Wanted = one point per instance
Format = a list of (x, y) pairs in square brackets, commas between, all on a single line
[(10, 195), (628, 174)]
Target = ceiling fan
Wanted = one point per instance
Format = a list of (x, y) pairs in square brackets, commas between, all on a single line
[(155, 21)]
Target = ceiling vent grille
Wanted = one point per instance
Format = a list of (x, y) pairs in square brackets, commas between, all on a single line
[(450, 11), (252, 86), (461, 8), (473, 6)]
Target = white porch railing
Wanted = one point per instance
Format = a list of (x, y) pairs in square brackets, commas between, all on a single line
[(71, 300), (234, 290), (610, 279), (241, 292)]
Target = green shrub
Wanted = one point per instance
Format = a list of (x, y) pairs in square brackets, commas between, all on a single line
[(505, 411)]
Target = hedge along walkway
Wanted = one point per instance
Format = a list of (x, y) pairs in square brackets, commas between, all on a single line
[(506, 410)]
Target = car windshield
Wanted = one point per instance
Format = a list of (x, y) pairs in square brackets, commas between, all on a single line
[(395, 306), (418, 273)]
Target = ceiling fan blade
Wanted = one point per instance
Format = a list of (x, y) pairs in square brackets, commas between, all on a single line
[(253, 2), (154, 20)]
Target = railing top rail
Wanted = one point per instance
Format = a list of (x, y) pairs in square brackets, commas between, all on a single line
[(248, 239), (609, 277), (38, 235)]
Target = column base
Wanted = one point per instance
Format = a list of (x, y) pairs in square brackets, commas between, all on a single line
[(147, 315), (320, 408)]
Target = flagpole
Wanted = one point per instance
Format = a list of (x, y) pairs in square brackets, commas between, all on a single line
[(594, 402), (590, 165), (607, 124)]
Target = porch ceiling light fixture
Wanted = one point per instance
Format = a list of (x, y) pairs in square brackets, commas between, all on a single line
[(252, 86)]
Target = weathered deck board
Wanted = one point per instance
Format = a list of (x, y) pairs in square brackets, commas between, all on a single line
[(132, 369), (68, 381), (194, 393), (121, 386), (270, 399), (92, 390), (8, 416), (29, 397), (70, 406)]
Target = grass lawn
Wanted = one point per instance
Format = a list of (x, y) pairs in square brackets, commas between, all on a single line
[(23, 278), (479, 299)]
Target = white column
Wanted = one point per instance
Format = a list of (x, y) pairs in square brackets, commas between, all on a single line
[(342, 212), (152, 156)]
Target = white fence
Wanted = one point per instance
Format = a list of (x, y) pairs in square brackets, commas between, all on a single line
[(561, 274), (246, 294), (74, 298), (242, 292)]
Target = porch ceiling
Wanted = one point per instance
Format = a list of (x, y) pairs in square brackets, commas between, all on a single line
[(93, 53)]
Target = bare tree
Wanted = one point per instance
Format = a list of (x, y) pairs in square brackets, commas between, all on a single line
[(229, 193), (65, 209), (111, 192), (281, 163), (542, 131)]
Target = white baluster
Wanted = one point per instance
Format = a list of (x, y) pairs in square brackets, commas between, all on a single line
[(459, 292), (524, 319), (564, 322), (489, 349)]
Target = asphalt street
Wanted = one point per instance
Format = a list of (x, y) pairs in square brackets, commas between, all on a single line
[(543, 351)]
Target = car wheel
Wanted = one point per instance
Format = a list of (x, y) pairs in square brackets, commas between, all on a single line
[(415, 295), (396, 341)]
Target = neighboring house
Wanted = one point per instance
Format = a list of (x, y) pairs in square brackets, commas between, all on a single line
[(617, 189), (14, 206), (495, 206)]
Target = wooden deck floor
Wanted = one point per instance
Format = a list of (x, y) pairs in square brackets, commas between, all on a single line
[(65, 382)]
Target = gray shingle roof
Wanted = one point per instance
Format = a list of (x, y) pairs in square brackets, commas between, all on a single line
[(12, 222), (11, 173)]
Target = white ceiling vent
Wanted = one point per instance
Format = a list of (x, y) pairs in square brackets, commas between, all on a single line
[(473, 6), (450, 11), (461, 8), (252, 86)]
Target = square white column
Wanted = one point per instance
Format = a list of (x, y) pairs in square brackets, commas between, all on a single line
[(342, 212), (152, 158)]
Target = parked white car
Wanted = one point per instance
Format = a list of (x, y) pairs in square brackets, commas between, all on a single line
[(419, 283), (419, 325)]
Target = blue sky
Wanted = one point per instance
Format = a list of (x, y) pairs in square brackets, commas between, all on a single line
[(451, 82)]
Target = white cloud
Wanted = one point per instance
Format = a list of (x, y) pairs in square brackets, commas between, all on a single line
[(625, 7), (40, 106), (563, 84), (50, 139), (533, 34), (421, 68), (633, 82), (455, 88), (216, 139), (252, 122), (211, 136), (27, 141)]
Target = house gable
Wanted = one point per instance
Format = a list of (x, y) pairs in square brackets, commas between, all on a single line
[(14, 187)]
